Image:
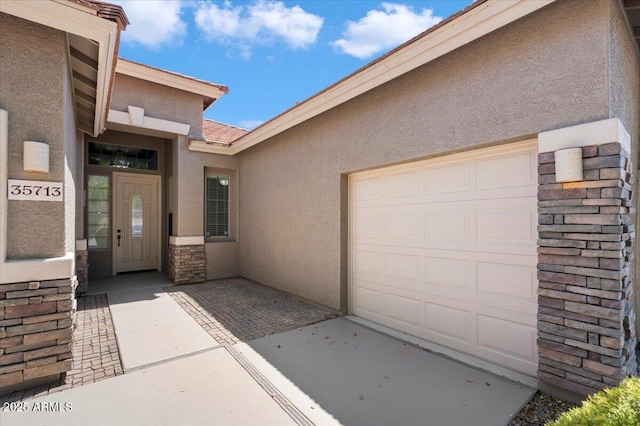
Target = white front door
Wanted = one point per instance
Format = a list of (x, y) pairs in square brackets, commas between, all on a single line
[(136, 202), (445, 249)]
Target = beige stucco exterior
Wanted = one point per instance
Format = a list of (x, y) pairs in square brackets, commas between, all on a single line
[(158, 101), (36, 91), (506, 86)]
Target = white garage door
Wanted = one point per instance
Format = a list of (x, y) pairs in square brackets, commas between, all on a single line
[(445, 249)]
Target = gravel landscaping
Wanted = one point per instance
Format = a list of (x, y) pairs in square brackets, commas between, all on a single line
[(541, 409)]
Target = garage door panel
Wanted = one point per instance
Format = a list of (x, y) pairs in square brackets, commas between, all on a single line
[(402, 225), (445, 249), (506, 170), (367, 264), (367, 226), (367, 188), (447, 224), (447, 272), (367, 300), (402, 267), (400, 184), (507, 280), (508, 225), (507, 339), (446, 178), (405, 310), (448, 322)]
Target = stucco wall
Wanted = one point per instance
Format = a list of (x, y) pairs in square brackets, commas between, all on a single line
[(34, 89), (187, 205), (158, 101), (508, 85)]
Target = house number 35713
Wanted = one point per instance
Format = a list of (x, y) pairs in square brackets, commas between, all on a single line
[(34, 190)]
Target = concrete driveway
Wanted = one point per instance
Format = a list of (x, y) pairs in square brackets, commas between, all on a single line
[(332, 372)]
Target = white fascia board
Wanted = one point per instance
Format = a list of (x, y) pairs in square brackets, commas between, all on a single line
[(73, 20), (131, 119), (167, 79), (210, 148), (474, 24)]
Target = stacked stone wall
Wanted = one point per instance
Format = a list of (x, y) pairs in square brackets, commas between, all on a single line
[(186, 264), (586, 318), (82, 271), (36, 326)]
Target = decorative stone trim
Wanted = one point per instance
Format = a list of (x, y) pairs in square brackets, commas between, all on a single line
[(186, 263), (36, 328), (586, 318)]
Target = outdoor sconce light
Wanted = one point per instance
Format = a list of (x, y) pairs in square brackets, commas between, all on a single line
[(568, 165), (36, 157)]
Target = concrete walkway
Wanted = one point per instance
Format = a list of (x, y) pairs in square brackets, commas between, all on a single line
[(333, 372), (150, 326)]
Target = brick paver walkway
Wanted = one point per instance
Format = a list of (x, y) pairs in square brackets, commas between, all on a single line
[(95, 351), (236, 309)]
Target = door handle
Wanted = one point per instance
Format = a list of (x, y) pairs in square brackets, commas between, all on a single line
[(119, 236)]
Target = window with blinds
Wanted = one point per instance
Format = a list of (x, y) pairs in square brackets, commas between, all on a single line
[(217, 206)]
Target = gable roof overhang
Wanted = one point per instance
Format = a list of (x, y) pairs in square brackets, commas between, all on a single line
[(477, 20), (210, 92), (632, 8), (93, 33)]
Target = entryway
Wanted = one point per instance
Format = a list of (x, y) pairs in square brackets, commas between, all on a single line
[(136, 206)]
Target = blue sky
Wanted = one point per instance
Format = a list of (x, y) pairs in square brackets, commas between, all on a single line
[(271, 54)]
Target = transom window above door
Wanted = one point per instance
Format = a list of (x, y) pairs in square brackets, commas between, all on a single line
[(122, 157)]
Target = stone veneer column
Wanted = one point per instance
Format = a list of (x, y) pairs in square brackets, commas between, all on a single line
[(186, 260), (82, 266), (35, 332), (586, 318)]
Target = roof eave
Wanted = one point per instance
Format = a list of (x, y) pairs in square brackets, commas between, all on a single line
[(210, 92), (83, 21), (477, 20)]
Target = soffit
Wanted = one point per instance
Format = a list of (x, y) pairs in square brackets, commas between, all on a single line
[(93, 30), (83, 55), (632, 7)]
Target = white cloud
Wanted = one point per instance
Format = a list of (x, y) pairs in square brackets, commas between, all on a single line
[(251, 124), (153, 22), (384, 29), (261, 22)]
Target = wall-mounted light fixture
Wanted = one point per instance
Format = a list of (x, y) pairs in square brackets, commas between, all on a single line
[(569, 165), (36, 157)]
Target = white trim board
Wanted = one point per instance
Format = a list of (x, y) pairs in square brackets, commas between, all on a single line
[(186, 241), (169, 79), (134, 118), (594, 133)]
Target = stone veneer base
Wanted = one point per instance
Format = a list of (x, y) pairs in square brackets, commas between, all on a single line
[(186, 264), (36, 332)]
